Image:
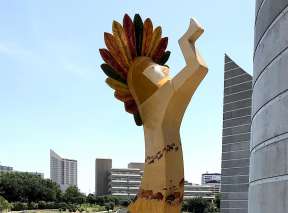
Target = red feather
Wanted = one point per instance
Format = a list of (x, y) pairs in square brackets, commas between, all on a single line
[(129, 29), (108, 58), (131, 107), (115, 51), (159, 52), (147, 36)]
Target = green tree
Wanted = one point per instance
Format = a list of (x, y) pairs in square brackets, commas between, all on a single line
[(73, 195), (91, 198), (196, 205), (217, 201), (25, 187), (4, 204)]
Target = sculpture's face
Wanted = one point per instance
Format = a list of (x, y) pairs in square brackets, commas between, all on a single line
[(157, 74), (145, 77)]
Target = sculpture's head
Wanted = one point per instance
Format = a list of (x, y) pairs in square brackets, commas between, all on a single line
[(135, 58)]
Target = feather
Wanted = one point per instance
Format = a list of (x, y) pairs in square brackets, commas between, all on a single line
[(130, 35), (131, 107), (138, 23), (110, 72), (123, 97), (160, 50), (123, 93), (121, 41), (137, 119), (156, 37), (164, 58), (117, 85), (114, 50), (108, 58), (147, 36)]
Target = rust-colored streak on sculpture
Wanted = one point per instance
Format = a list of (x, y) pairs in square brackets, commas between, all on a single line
[(159, 103)]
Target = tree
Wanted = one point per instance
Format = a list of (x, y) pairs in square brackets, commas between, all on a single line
[(196, 205), (25, 187), (91, 198), (73, 195), (217, 201), (4, 204)]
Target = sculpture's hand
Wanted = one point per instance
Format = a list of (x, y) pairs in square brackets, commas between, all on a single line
[(187, 43)]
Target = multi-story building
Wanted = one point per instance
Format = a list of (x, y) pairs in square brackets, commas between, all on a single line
[(268, 190), (196, 190), (102, 171), (125, 182), (235, 138), (213, 180), (210, 177), (10, 169), (134, 165), (6, 168), (63, 171)]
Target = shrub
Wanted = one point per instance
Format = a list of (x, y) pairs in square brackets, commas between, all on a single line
[(72, 208), (62, 206), (42, 205), (124, 203), (19, 206), (32, 205), (4, 204)]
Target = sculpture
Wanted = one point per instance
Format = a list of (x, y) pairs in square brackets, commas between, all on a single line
[(136, 70)]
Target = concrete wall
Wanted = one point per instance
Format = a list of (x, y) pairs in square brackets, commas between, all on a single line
[(102, 169), (235, 138), (268, 191)]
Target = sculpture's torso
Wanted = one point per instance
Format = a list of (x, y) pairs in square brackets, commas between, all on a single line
[(163, 155)]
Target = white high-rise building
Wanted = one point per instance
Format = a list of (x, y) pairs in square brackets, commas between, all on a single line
[(211, 178), (63, 171)]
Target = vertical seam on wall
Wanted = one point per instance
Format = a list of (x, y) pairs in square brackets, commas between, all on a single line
[(258, 11)]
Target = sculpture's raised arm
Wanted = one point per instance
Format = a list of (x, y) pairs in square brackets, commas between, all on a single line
[(188, 79)]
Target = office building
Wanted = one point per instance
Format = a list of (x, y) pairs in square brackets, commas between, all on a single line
[(213, 180), (235, 138), (102, 171), (125, 182), (134, 165), (63, 171), (10, 169), (268, 190), (210, 177), (6, 168), (196, 190)]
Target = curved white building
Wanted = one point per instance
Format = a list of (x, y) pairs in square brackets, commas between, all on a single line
[(63, 171), (268, 189)]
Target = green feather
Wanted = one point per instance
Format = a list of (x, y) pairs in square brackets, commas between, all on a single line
[(138, 119), (138, 23), (110, 72), (165, 58)]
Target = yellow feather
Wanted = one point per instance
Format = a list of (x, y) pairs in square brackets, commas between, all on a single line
[(121, 41), (147, 36), (155, 40), (117, 85)]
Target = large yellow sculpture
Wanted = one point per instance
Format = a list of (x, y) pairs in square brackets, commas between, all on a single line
[(135, 58)]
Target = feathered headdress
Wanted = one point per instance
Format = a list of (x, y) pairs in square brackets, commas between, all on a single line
[(133, 39)]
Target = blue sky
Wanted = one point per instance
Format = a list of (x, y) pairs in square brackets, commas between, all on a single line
[(53, 94)]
